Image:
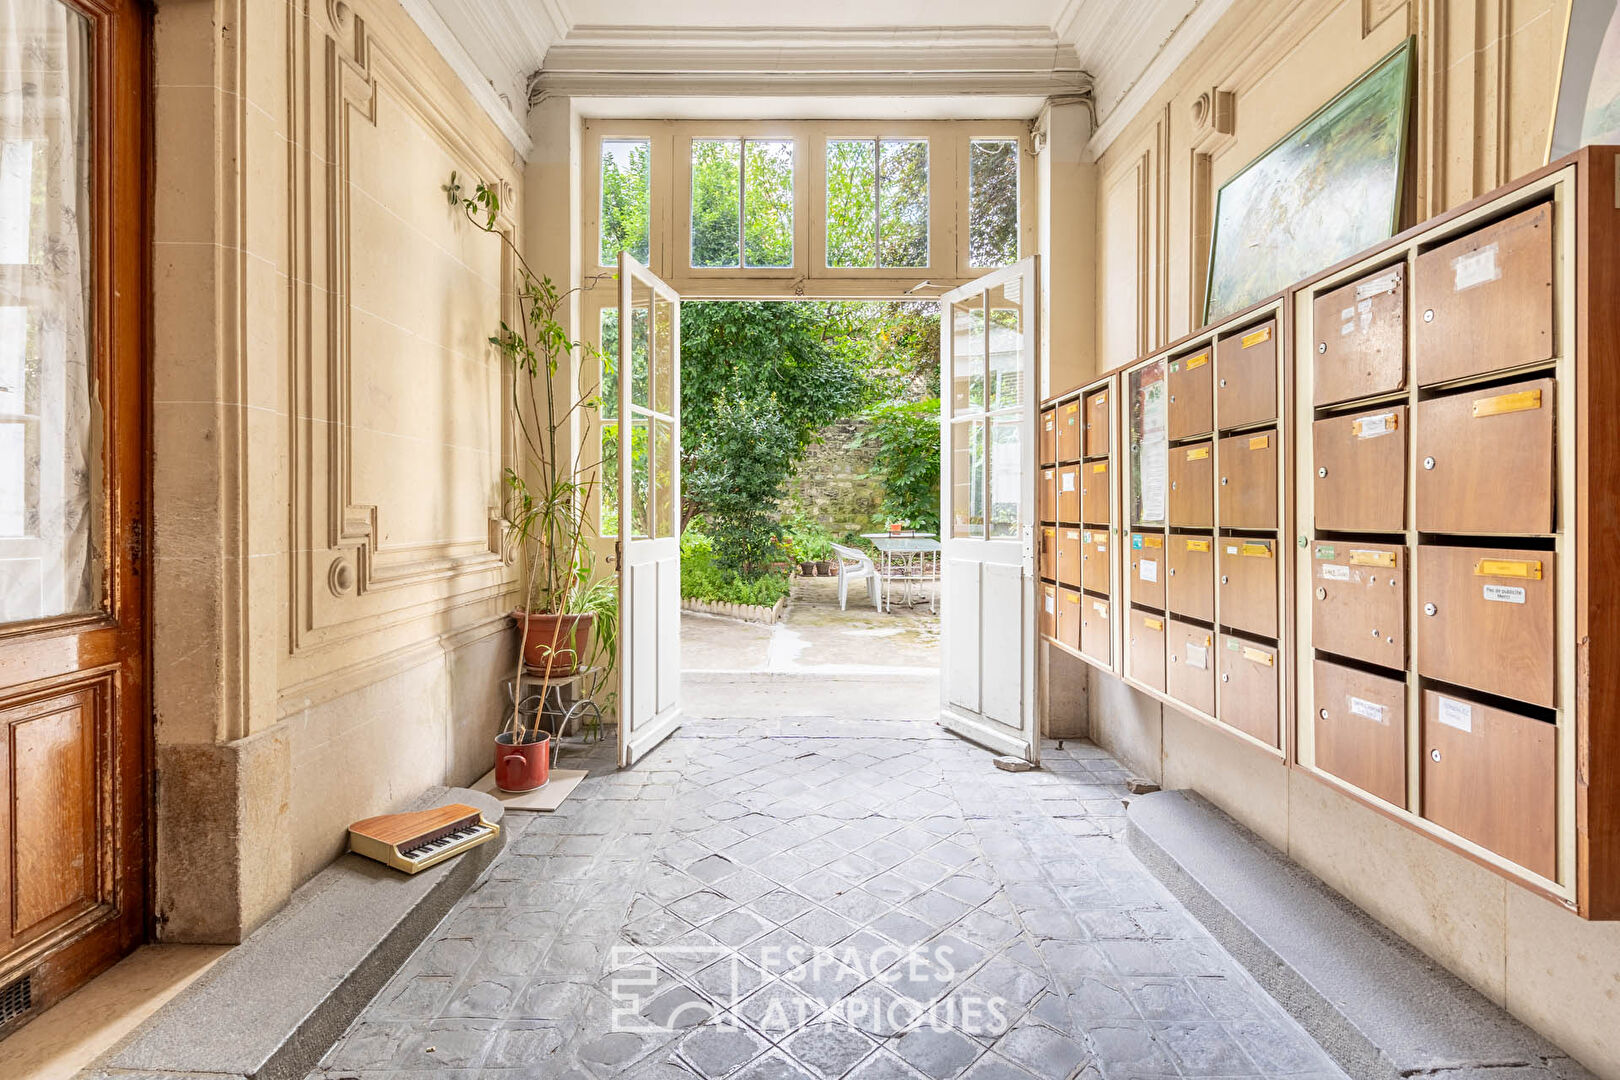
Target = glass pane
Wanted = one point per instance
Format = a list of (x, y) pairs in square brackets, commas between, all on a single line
[(663, 496), (967, 356), (639, 374), (1006, 472), (716, 202), (50, 472), (626, 198), (1150, 445), (851, 202), (663, 355), (1007, 364), (609, 392), (903, 202), (768, 202), (967, 478), (993, 202), (640, 476)]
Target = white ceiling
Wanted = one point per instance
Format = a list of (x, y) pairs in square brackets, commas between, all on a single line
[(646, 57)]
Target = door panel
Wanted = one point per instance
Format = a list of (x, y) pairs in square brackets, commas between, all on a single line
[(1485, 461), (1361, 338), (1191, 588), (1360, 729), (1147, 569), (1192, 486), (1488, 620), (1248, 585), (1249, 481), (1246, 377), (1097, 424), (989, 348), (1145, 648), (1191, 384), (73, 298), (1190, 666), (1248, 691), (1358, 601), (649, 405), (1361, 471)]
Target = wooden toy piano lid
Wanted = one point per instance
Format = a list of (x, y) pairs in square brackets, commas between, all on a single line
[(398, 828)]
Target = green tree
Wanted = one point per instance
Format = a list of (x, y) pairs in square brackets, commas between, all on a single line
[(758, 382), (992, 202), (908, 461), (626, 192)]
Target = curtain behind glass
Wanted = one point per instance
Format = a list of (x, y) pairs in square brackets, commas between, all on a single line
[(49, 453)]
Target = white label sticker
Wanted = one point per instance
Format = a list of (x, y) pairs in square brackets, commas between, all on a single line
[(1505, 594), (1348, 314), (1335, 572), (1375, 425), (1051, 604), (1367, 710), (1231, 549), (1068, 481), (1456, 714), (1475, 268), (1378, 285), (1148, 569), (1348, 327), (1198, 656)]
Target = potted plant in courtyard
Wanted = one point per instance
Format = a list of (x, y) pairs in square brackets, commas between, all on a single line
[(565, 609)]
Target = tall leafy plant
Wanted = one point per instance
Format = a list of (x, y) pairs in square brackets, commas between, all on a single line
[(549, 485)]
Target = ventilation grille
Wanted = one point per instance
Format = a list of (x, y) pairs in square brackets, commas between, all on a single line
[(15, 999)]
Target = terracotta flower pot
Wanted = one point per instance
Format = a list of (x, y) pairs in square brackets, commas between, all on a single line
[(522, 766), (563, 639)]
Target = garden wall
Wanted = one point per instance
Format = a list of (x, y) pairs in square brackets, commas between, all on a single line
[(835, 480)]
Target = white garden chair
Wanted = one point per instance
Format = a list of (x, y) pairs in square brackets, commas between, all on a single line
[(852, 567)]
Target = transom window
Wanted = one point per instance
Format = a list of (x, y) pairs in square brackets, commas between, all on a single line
[(992, 202), (626, 199), (877, 203), (742, 203)]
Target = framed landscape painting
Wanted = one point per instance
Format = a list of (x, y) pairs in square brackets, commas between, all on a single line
[(1330, 188), (1588, 109)]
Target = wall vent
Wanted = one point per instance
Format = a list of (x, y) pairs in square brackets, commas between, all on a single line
[(16, 998)]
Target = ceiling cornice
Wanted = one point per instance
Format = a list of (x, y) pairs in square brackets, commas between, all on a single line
[(502, 109), (602, 61)]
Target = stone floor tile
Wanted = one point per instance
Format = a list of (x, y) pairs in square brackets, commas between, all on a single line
[(719, 1050), (1044, 1052), (941, 1053), (829, 1049)]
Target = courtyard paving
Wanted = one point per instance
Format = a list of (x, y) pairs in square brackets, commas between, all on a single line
[(817, 899)]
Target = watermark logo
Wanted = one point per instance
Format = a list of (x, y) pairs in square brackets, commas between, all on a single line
[(784, 987)]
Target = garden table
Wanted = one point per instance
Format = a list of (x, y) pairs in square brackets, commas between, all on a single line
[(908, 559)]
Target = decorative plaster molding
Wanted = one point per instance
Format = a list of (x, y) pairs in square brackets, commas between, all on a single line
[(497, 106), (1192, 30)]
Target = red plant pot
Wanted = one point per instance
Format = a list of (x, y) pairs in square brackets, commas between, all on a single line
[(522, 766), (561, 639)]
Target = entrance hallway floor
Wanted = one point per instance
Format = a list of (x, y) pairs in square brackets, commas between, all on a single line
[(815, 660), (768, 900)]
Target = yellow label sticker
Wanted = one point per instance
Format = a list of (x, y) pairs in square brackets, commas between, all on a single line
[(1259, 442), (1523, 401), (1364, 557), (1153, 624), (1257, 337), (1257, 550), (1153, 541), (1197, 453), (1259, 656), (1197, 361), (1197, 545), (1071, 407), (1102, 398), (1100, 466), (1072, 597), (1529, 569)]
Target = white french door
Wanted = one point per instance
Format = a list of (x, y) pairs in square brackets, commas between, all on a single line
[(989, 346), (647, 423)]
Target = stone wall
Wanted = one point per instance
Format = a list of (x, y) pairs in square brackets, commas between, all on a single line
[(835, 481)]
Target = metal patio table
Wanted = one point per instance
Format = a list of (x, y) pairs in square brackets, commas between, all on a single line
[(909, 559)]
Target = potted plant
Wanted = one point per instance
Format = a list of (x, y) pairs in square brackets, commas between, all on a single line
[(566, 610)]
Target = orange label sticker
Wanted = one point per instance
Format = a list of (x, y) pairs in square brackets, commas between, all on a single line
[(1197, 361), (1257, 337), (1259, 442), (1198, 453)]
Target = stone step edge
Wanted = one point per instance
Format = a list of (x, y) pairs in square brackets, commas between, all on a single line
[(1257, 904), (291, 1054)]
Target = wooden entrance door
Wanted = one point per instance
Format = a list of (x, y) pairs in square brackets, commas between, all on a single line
[(73, 257)]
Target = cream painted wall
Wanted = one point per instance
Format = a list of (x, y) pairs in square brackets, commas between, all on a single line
[(329, 587), (1486, 86)]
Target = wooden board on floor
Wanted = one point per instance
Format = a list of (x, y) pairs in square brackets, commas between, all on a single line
[(548, 798)]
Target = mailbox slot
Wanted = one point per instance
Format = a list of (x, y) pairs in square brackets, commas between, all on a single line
[(1190, 591), (1248, 585), (1358, 601), (1049, 436), (1097, 568), (1246, 376), (1360, 728), (1192, 485), (1491, 776), (1071, 564), (1146, 648), (1360, 477), (1190, 666), (1248, 488), (1247, 696), (1096, 443), (1147, 569), (1094, 628), (1488, 620), (1360, 338), (1484, 302), (1190, 381), (1485, 460), (1068, 493), (1094, 493)]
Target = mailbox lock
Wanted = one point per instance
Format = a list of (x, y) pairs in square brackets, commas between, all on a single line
[(1223, 382), (1223, 579), (1428, 463), (1321, 594), (1428, 316), (1321, 346), (1225, 677), (1389, 640), (1430, 609), (1322, 713), (1322, 471), (1223, 481), (1304, 541), (1434, 755), (1375, 632)]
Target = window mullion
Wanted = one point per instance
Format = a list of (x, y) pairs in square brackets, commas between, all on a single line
[(742, 202), (877, 203)]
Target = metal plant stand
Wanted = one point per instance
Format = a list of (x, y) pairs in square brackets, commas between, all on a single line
[(559, 704)]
